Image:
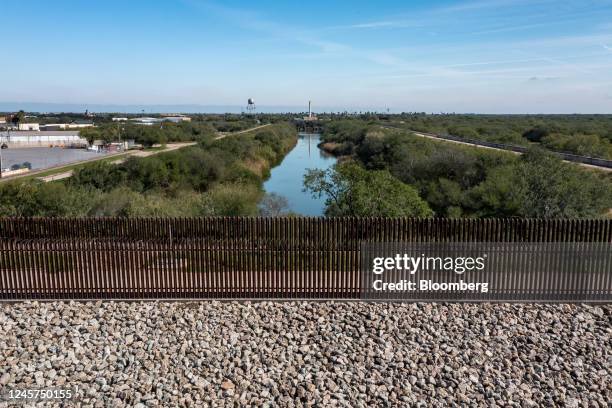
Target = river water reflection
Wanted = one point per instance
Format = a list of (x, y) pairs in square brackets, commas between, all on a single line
[(287, 178)]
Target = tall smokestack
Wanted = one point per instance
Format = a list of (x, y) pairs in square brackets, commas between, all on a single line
[(309, 111)]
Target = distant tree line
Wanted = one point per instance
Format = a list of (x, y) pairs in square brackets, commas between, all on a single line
[(586, 135)]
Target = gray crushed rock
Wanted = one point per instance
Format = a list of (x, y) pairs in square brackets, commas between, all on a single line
[(156, 354)]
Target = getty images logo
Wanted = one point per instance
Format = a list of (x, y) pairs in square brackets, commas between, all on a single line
[(412, 265)]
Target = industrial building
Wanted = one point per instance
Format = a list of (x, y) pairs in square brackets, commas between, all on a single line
[(176, 118), (63, 138), (77, 124), (151, 121), (28, 126)]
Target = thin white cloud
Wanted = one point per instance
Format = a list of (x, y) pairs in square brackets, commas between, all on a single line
[(536, 78), (606, 47)]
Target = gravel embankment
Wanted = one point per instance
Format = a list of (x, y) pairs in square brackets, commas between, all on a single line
[(299, 354)]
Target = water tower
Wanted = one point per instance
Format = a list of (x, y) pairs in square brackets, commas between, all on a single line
[(250, 105)]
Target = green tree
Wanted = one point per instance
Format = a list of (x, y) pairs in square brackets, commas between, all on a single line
[(144, 174), (540, 185), (91, 134), (99, 175), (501, 194), (27, 199), (554, 189), (445, 196), (18, 118), (353, 191)]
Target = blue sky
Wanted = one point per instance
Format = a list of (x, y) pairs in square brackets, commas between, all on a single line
[(493, 56)]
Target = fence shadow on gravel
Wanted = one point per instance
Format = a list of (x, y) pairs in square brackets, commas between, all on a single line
[(257, 258)]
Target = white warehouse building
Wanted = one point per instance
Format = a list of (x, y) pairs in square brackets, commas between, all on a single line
[(42, 139), (29, 126)]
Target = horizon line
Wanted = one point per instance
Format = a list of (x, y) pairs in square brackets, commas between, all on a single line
[(199, 108)]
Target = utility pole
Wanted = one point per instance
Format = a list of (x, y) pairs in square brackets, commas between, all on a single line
[(7, 140)]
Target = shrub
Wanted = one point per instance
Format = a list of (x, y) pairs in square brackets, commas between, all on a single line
[(535, 134), (233, 199)]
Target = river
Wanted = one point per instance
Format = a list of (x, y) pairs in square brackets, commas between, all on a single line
[(286, 179)]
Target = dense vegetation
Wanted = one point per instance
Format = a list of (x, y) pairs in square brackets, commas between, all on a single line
[(198, 128), (458, 181), (586, 135), (149, 135), (216, 177), (391, 172)]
